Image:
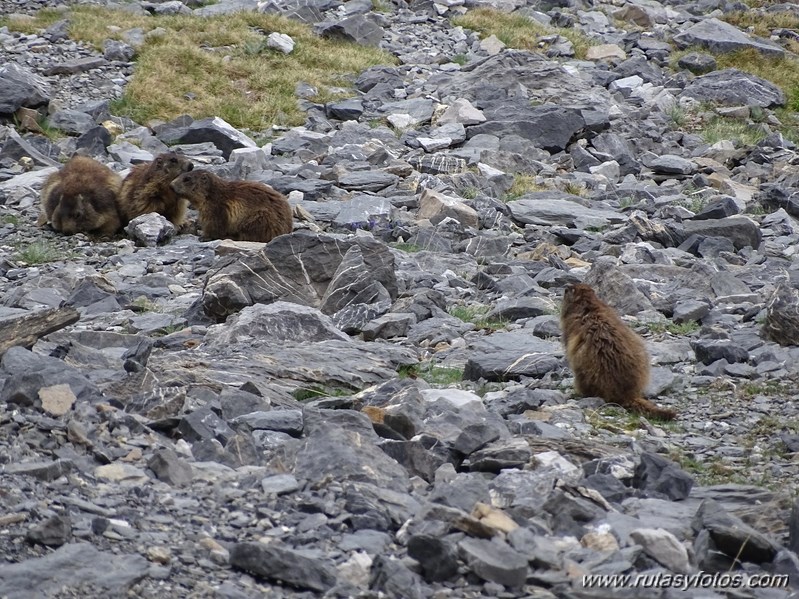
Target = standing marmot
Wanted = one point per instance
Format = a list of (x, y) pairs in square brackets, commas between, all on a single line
[(608, 359), (239, 210), (82, 198), (146, 189)]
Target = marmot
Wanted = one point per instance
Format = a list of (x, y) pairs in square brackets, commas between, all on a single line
[(146, 189), (82, 198), (238, 210), (608, 359)]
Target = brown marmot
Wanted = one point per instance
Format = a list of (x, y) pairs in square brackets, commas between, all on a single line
[(608, 359), (238, 210), (82, 198), (146, 189)]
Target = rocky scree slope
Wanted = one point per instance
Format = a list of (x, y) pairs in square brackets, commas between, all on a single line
[(378, 405)]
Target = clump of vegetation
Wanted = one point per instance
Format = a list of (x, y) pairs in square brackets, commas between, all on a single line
[(38, 252), (683, 328), (435, 375), (477, 315), (518, 31), (763, 23), (522, 183), (317, 391), (216, 66)]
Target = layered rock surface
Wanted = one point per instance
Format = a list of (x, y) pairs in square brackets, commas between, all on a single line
[(378, 404)]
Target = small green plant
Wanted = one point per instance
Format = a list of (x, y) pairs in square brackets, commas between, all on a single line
[(317, 391), (460, 59), (410, 248), (470, 193), (522, 183), (477, 315), (144, 304), (10, 219), (683, 328), (435, 375), (38, 252), (677, 116), (574, 188), (380, 6)]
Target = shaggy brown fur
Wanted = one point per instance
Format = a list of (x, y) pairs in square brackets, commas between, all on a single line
[(82, 198), (146, 189), (238, 210), (608, 359)]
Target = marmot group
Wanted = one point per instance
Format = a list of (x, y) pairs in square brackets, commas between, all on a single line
[(608, 359), (238, 210), (82, 198), (146, 189)]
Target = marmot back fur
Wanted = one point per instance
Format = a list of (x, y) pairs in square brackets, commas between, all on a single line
[(146, 189), (239, 210), (82, 198), (609, 360)]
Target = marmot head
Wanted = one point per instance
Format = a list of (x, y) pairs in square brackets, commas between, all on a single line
[(192, 185), (172, 164), (73, 214)]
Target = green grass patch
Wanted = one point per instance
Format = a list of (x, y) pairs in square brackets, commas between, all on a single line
[(435, 375), (10, 219), (522, 183), (410, 248), (216, 66), (39, 252), (317, 391), (517, 31), (477, 315), (684, 328)]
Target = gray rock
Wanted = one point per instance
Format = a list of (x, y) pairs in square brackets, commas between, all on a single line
[(742, 231), (500, 455), (347, 456), (344, 110), (732, 87), (44, 471), (657, 474), (516, 309), (20, 87), (494, 561), (285, 421), (72, 122), (356, 281), (720, 37), (279, 484), (663, 547), (558, 208), (75, 66), (116, 50), (170, 468), (53, 532), (73, 565), (698, 63), (357, 29), (150, 229), (508, 356), (709, 351), (669, 164), (367, 180), (217, 131), (388, 326), (281, 42), (549, 127), (298, 568), (26, 373), (299, 268), (437, 558), (731, 535), (276, 322), (782, 315)]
